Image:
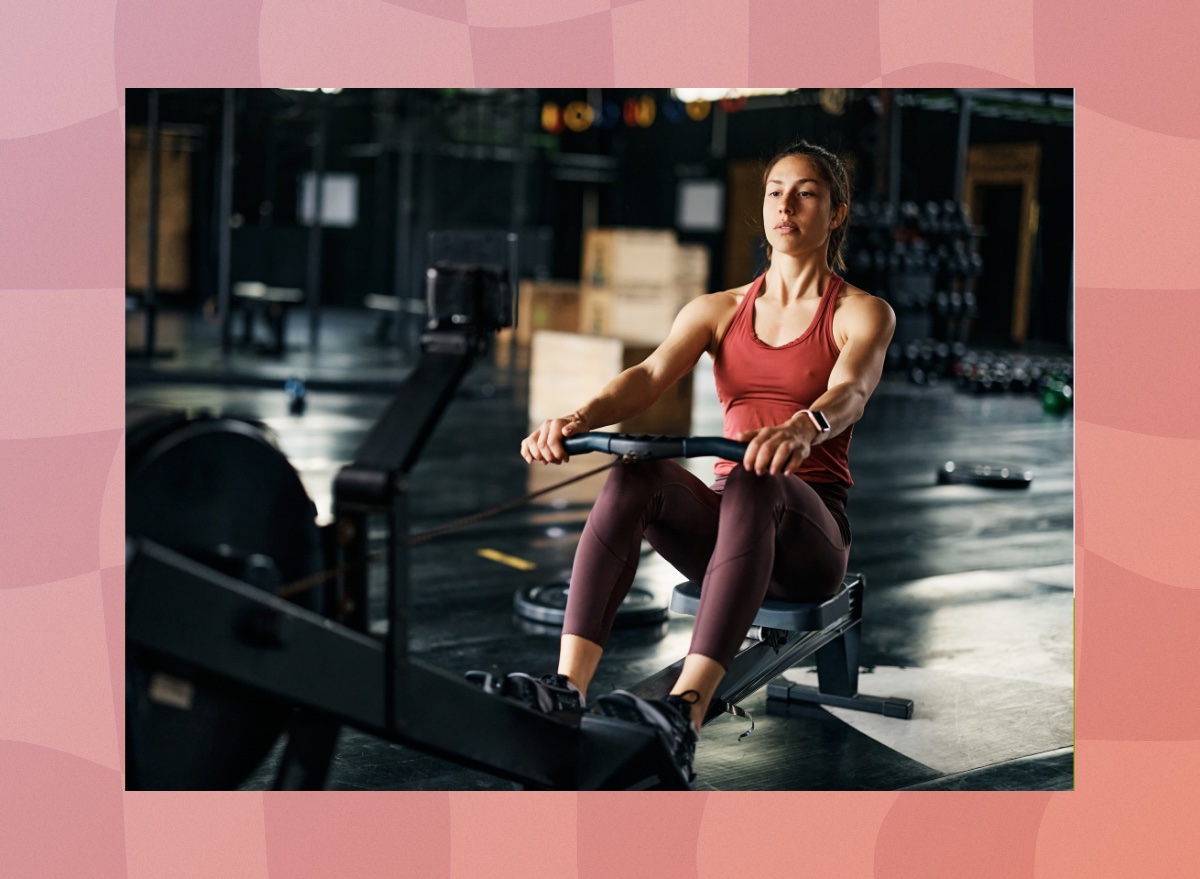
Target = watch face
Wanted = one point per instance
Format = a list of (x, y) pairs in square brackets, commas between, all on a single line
[(822, 421)]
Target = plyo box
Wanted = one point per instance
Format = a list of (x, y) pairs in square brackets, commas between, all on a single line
[(541, 305), (637, 315), (618, 257), (546, 305), (692, 265), (569, 369), (637, 257), (635, 281)]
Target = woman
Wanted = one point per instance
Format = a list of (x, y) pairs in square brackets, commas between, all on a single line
[(797, 354)]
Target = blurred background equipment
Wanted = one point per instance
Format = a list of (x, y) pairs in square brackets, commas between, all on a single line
[(954, 221)]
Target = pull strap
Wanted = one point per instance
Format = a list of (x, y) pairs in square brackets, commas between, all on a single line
[(739, 711)]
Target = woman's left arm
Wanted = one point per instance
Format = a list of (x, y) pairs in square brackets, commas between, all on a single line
[(868, 323)]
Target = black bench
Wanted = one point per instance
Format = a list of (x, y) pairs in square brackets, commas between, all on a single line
[(257, 302), (390, 308)]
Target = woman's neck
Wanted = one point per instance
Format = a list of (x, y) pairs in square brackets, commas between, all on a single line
[(792, 278)]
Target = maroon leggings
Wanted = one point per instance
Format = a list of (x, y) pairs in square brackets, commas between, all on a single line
[(760, 537)]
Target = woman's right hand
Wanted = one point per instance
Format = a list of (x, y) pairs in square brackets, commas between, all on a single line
[(546, 443)]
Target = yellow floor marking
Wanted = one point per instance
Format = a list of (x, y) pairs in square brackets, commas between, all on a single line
[(511, 560)]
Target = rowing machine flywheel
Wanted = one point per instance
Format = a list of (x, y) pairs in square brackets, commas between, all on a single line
[(219, 491)]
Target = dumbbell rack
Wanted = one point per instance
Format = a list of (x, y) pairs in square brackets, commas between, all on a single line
[(1051, 378), (926, 263)]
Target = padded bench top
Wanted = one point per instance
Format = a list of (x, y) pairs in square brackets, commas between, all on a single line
[(255, 290), (787, 615)]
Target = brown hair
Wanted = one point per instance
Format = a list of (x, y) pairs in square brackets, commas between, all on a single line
[(831, 169)]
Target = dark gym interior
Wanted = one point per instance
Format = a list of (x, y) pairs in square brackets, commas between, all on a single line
[(278, 243)]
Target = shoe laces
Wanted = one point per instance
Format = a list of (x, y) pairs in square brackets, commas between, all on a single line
[(682, 703)]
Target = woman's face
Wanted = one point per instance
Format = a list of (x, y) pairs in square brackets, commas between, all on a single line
[(797, 209)]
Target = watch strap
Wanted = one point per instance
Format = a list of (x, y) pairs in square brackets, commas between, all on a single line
[(818, 419)]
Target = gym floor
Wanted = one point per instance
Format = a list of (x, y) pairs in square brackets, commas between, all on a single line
[(969, 601)]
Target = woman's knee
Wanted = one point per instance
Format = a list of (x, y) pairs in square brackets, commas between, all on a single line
[(742, 483), (638, 477), (630, 490)]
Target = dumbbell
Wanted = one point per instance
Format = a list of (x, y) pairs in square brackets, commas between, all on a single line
[(941, 353), (862, 261), (964, 218), (931, 221), (895, 357), (1057, 397), (297, 394), (950, 218), (880, 259)]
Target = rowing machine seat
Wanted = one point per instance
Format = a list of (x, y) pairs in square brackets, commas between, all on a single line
[(788, 615)]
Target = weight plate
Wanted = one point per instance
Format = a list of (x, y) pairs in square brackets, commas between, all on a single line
[(546, 604), (986, 475)]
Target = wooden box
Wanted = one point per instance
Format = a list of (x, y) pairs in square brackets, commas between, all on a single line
[(569, 369), (692, 265), (639, 257), (541, 305), (546, 305), (639, 315)]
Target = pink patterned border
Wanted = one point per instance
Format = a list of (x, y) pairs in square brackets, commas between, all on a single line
[(62, 803)]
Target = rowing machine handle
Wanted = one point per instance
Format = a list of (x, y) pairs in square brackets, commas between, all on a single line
[(647, 447)]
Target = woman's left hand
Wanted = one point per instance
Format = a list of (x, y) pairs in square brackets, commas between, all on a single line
[(779, 449)]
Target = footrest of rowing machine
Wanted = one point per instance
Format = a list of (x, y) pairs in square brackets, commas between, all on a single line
[(788, 615), (782, 693)]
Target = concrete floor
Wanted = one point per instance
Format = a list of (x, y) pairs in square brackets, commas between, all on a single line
[(968, 609)]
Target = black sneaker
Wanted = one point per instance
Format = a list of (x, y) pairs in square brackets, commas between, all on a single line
[(549, 693), (671, 716)]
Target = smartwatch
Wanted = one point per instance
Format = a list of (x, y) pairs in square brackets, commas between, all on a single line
[(818, 419)]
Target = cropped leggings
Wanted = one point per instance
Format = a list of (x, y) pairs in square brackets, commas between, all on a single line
[(760, 537)]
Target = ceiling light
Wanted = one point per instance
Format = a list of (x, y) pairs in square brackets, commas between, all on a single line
[(689, 95)]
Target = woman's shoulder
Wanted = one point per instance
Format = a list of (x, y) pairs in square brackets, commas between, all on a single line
[(720, 301), (858, 301), (858, 308), (718, 310), (732, 296), (849, 291)]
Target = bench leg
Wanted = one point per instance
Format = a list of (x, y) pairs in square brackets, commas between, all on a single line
[(837, 677), (277, 324), (383, 329), (784, 696), (247, 325), (837, 684), (837, 665)]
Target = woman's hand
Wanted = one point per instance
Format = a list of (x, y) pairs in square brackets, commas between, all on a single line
[(779, 449), (546, 443)]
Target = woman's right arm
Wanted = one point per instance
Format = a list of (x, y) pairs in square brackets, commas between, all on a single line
[(636, 389)]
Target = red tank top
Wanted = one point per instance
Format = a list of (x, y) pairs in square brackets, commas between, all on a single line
[(761, 386)]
